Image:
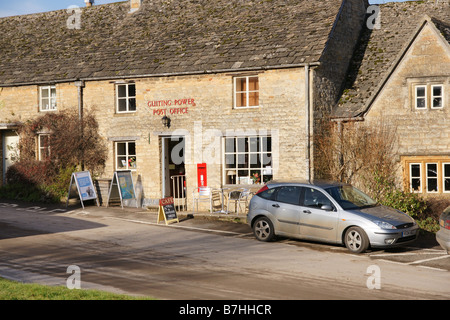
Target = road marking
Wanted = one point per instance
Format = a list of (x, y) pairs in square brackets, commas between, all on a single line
[(391, 261), (406, 254), (433, 268), (426, 260)]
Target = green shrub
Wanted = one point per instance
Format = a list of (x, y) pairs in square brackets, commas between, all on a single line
[(70, 149), (385, 192)]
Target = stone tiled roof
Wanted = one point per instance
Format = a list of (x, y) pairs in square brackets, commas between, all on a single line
[(164, 37), (379, 49)]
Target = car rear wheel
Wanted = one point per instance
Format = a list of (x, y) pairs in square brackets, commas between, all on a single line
[(356, 240), (263, 229)]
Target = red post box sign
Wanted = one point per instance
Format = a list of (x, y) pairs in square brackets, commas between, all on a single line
[(202, 180)]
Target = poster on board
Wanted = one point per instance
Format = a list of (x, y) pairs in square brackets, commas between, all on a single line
[(122, 183), (85, 187), (167, 211), (126, 185)]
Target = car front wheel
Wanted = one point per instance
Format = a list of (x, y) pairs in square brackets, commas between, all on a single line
[(263, 229), (356, 240)]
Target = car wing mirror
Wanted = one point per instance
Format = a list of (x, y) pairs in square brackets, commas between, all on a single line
[(326, 207)]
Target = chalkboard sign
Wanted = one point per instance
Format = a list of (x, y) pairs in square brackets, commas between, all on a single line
[(167, 211)]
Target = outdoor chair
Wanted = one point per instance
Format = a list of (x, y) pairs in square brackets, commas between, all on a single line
[(205, 194), (240, 198)]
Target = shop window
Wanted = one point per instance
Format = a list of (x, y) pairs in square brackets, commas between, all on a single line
[(246, 92), (247, 160), (47, 98), (44, 147), (126, 155), (428, 174), (126, 97)]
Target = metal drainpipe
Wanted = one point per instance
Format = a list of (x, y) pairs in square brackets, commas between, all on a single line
[(80, 86), (307, 116)]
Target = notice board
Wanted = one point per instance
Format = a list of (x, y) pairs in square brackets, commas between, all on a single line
[(167, 211), (122, 183), (85, 187)]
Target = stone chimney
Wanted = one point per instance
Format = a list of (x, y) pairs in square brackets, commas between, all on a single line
[(135, 5), (89, 3)]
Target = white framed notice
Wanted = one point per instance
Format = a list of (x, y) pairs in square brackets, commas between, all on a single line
[(85, 187)]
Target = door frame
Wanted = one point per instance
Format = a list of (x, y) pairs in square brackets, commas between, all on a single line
[(5, 134), (165, 162)]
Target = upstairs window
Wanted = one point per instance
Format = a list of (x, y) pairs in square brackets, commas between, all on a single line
[(246, 92), (126, 97), (428, 96), (47, 98), (421, 97), (437, 96)]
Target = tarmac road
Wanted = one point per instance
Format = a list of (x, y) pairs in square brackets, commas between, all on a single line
[(196, 259)]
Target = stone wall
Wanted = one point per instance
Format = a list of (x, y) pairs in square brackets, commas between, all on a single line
[(201, 109), (422, 133), (205, 116)]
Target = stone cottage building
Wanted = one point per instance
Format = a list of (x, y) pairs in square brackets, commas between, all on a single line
[(400, 75), (218, 92), (227, 93)]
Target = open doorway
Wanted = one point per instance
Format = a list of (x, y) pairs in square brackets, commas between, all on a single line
[(173, 169), (10, 142)]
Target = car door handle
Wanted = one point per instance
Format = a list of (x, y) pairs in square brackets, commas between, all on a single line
[(276, 205), (306, 211)]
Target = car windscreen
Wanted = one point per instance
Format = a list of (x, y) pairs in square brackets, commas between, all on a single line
[(349, 197)]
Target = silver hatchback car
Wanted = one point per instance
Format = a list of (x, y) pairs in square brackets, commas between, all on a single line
[(328, 212)]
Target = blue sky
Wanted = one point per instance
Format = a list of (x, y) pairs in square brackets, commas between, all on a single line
[(19, 7)]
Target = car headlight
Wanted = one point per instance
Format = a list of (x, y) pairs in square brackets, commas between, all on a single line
[(384, 225)]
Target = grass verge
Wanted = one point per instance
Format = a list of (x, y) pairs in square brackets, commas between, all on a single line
[(12, 290)]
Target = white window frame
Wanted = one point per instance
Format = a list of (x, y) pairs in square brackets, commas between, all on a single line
[(41, 148), (264, 152), (126, 98), (127, 156), (411, 177), (247, 92), (444, 177), (52, 105), (433, 96), (433, 178), (416, 97)]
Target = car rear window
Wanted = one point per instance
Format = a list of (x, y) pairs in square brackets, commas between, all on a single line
[(268, 194)]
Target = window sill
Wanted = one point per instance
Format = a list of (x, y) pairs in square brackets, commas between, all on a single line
[(246, 108), (125, 112)]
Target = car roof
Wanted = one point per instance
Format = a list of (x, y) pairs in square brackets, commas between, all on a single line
[(317, 183)]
